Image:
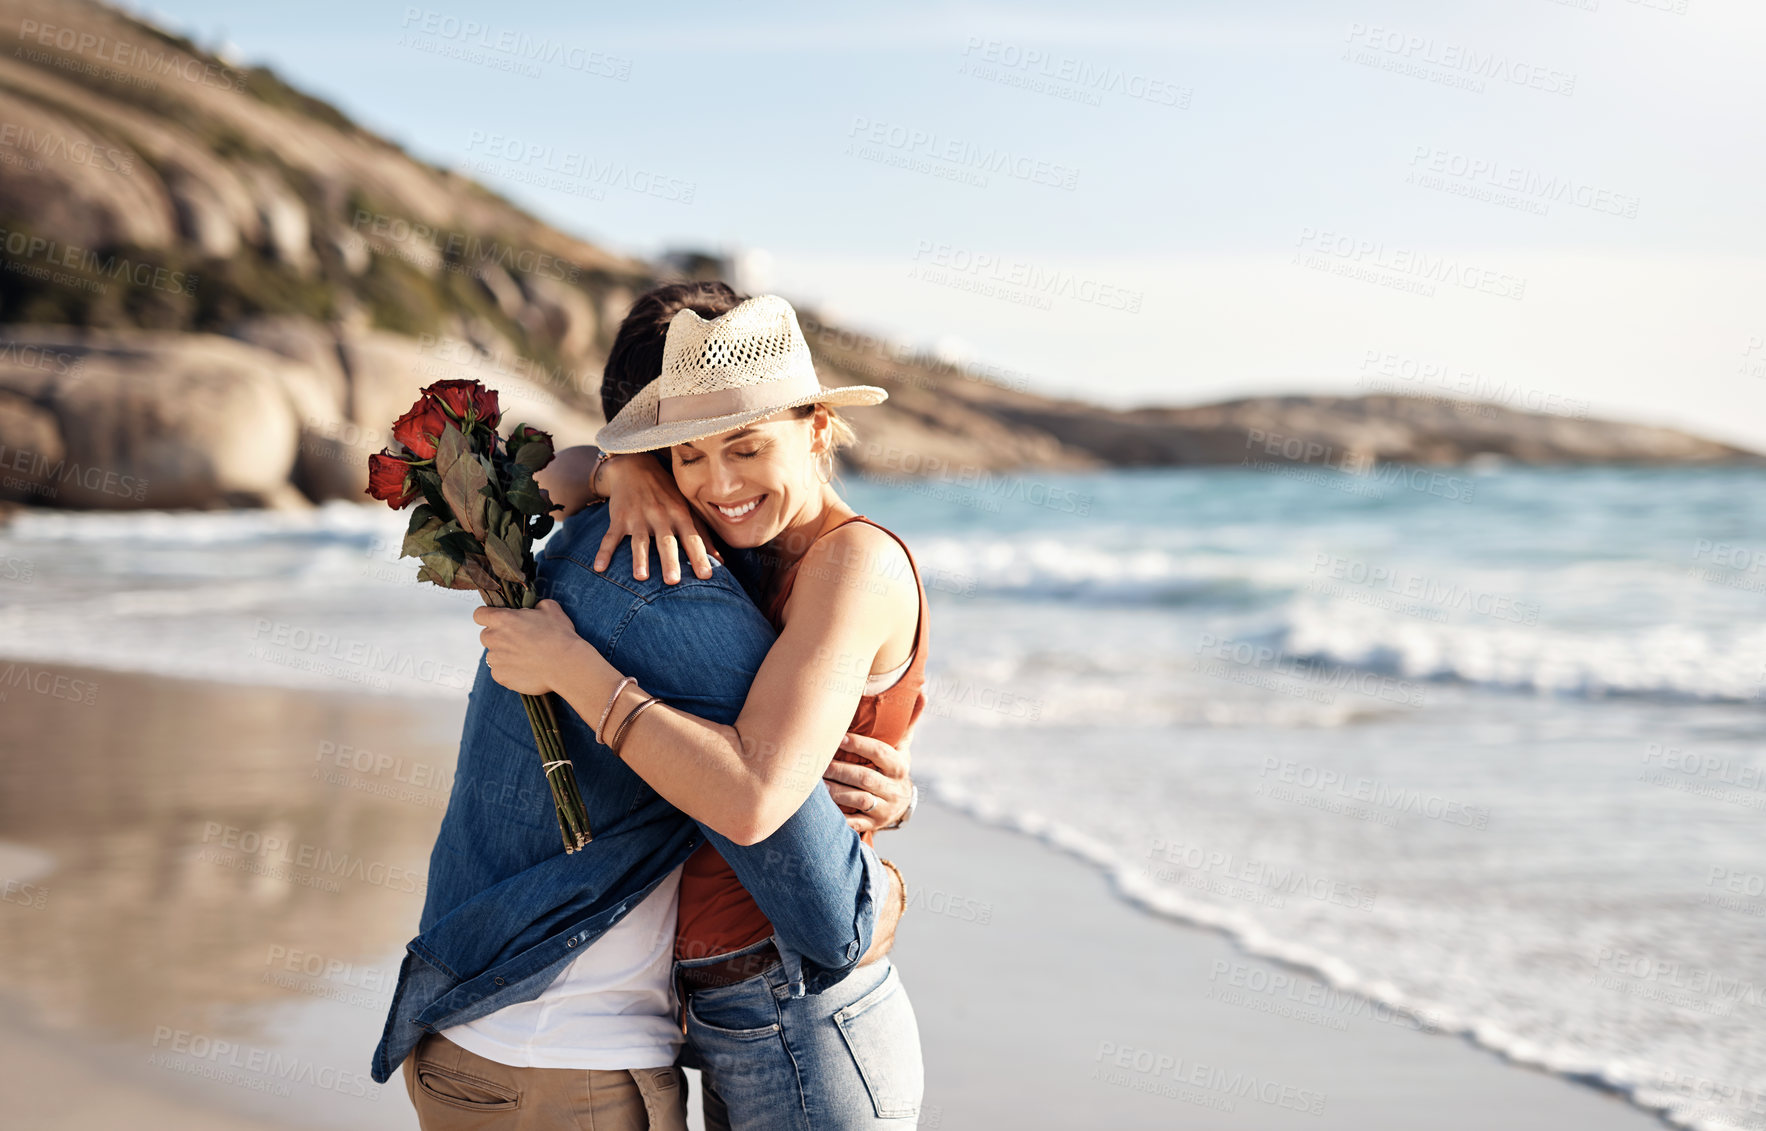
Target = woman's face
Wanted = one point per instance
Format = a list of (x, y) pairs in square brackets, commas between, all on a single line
[(752, 483)]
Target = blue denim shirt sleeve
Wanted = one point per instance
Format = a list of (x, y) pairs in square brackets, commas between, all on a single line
[(698, 649)]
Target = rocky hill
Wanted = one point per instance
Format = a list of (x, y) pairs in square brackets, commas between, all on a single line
[(1356, 433), (216, 290)]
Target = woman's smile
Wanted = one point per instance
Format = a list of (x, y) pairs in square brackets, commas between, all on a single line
[(738, 512)]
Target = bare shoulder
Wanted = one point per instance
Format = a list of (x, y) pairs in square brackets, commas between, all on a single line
[(860, 563)]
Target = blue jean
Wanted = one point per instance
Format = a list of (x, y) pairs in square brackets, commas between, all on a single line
[(847, 1057)]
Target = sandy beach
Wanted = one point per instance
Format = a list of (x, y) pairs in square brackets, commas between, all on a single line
[(166, 969)]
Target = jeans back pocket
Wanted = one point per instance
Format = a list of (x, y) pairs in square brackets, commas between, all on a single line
[(884, 1037)]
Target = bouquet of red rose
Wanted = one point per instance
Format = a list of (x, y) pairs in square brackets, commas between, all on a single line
[(475, 529)]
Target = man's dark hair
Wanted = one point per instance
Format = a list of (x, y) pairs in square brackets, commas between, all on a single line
[(636, 357)]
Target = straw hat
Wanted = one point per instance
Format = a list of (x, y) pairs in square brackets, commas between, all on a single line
[(720, 374)]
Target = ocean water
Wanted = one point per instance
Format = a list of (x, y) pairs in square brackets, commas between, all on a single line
[(1481, 746)]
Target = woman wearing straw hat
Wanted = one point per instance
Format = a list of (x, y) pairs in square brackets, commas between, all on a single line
[(741, 437)]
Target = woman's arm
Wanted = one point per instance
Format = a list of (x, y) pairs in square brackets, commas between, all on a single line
[(642, 501), (744, 780), (569, 480)]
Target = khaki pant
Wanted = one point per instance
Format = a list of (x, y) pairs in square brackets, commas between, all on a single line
[(456, 1090)]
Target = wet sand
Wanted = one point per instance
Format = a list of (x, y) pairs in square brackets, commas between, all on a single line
[(1046, 1001), (202, 904), (207, 888)]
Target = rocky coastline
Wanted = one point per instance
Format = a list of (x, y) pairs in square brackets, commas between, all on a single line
[(218, 291)]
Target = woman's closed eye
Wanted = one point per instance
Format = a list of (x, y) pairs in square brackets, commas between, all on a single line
[(688, 460)]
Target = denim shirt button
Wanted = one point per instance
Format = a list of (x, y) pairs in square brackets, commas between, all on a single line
[(499, 981), (569, 942)]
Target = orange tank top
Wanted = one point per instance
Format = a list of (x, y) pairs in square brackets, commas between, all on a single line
[(717, 915)]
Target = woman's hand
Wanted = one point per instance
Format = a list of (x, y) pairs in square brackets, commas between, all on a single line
[(528, 648), (643, 502), (874, 792)]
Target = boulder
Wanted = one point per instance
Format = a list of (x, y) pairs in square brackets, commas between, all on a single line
[(30, 445), (388, 371), (567, 316), (82, 189), (332, 459), (205, 221), (504, 291), (287, 234), (150, 420), (299, 339)]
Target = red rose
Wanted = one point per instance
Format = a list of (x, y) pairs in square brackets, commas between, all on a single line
[(419, 428), (463, 398), (389, 478)]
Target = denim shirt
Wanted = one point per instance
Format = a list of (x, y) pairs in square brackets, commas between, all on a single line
[(507, 908)]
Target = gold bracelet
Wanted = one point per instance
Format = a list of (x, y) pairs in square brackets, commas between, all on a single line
[(619, 735), (601, 726), (900, 883)]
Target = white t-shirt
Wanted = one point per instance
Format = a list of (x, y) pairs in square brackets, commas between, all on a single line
[(611, 1007)]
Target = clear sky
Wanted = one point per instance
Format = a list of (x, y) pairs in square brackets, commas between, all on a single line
[(1557, 203)]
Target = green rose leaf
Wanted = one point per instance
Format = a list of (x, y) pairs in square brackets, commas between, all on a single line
[(420, 514), (449, 447), (420, 540), (509, 525), (439, 569), (429, 483), (524, 494), (506, 560), (534, 455), (458, 543), (481, 577), (463, 485), (442, 546)]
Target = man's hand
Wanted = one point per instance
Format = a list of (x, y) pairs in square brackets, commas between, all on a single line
[(869, 780)]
